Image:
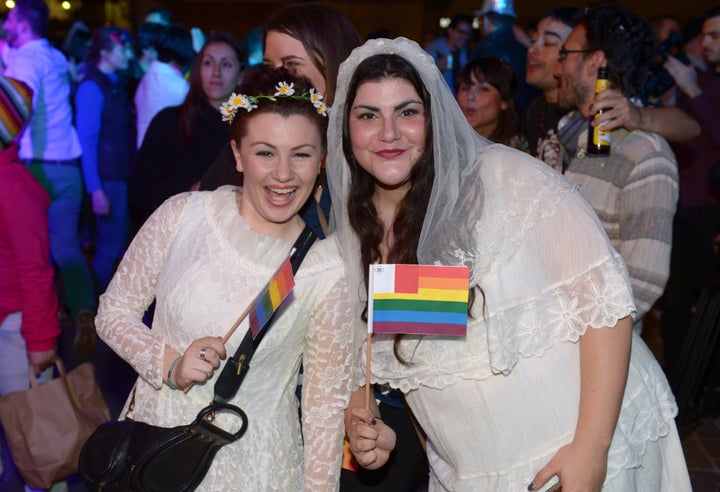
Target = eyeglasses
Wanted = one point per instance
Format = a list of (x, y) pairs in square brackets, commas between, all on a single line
[(562, 54)]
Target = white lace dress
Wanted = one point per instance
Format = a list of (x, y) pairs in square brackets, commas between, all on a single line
[(204, 264), (548, 273)]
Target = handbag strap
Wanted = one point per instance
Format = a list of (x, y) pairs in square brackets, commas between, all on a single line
[(58, 363), (237, 366)]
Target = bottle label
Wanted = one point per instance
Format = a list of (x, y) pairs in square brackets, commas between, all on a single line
[(601, 85), (601, 137)]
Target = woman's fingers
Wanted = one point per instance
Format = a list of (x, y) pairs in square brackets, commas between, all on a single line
[(200, 360), (208, 349)]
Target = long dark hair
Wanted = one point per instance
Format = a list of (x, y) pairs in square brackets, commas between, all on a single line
[(411, 213), (325, 33), (195, 98)]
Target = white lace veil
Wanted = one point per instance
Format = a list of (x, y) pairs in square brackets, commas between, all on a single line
[(456, 145)]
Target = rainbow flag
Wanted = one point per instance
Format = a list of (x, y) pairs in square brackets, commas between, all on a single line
[(270, 298), (418, 299)]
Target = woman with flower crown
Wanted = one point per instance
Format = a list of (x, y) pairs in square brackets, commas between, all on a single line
[(310, 40), (204, 256), (550, 384)]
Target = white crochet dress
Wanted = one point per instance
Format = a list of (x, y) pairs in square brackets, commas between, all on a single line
[(205, 264)]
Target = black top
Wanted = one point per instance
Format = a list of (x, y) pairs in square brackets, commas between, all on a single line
[(115, 146), (538, 120), (168, 164)]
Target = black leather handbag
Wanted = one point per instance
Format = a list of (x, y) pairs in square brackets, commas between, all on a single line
[(129, 455), (134, 456)]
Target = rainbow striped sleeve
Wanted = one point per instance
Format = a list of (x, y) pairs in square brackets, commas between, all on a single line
[(418, 299), (270, 298)]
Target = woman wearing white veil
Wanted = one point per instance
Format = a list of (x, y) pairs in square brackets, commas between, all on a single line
[(549, 381)]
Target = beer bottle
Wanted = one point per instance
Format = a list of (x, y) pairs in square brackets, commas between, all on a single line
[(599, 140)]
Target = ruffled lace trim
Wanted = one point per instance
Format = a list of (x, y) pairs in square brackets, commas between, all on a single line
[(646, 417), (648, 412), (597, 299)]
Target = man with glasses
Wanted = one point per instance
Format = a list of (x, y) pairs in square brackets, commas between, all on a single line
[(451, 52), (551, 131), (540, 122), (634, 189)]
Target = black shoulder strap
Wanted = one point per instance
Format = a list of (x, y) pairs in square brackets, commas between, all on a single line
[(236, 367)]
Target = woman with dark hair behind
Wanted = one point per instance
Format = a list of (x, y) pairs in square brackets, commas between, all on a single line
[(486, 94), (326, 36), (105, 130), (182, 141), (205, 256), (309, 40)]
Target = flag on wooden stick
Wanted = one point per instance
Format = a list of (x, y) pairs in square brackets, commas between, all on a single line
[(270, 298), (418, 299)]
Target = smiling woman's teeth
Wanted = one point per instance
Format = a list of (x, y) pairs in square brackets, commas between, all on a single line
[(284, 191)]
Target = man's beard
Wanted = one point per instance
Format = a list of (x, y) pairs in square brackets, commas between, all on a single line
[(572, 94)]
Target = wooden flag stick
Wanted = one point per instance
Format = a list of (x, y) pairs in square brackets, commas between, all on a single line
[(367, 373), (237, 323), (371, 289)]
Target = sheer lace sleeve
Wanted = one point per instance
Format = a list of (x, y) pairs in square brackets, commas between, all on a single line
[(132, 290), (326, 389)]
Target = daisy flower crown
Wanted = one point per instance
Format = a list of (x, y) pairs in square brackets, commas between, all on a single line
[(229, 108)]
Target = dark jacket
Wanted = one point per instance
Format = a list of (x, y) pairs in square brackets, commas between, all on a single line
[(115, 141), (168, 163)]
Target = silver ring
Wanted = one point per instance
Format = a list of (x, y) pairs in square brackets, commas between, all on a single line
[(202, 353)]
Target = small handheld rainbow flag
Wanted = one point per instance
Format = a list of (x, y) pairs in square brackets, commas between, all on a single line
[(270, 298), (418, 299)]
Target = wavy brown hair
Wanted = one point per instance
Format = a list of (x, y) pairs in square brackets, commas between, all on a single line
[(263, 80)]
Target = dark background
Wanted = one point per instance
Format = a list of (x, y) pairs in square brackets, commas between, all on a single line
[(410, 18)]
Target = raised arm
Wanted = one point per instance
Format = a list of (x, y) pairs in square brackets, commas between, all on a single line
[(697, 102), (670, 122)]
